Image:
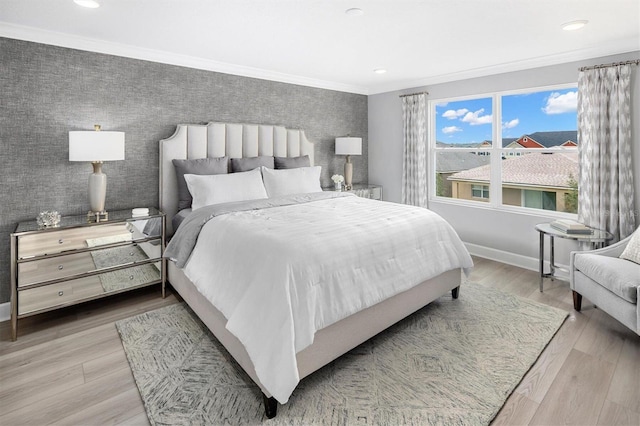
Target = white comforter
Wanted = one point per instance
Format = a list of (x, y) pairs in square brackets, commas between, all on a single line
[(280, 274)]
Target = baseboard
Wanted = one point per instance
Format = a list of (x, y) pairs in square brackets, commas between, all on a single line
[(5, 311), (525, 262)]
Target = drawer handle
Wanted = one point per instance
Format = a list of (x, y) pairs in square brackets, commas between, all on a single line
[(130, 277), (60, 293), (60, 241), (60, 267)]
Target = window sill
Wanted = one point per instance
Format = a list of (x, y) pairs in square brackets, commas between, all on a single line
[(522, 211)]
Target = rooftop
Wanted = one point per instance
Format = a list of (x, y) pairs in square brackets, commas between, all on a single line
[(452, 161), (539, 169)]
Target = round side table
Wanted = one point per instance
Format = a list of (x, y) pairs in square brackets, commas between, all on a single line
[(597, 237)]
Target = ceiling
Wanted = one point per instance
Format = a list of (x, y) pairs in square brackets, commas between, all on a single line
[(315, 43)]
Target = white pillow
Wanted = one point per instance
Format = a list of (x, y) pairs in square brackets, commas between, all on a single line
[(632, 251), (301, 180), (217, 189)]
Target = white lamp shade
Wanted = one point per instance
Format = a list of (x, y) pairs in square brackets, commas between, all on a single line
[(96, 146), (348, 146)]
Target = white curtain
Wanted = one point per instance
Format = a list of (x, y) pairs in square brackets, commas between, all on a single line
[(605, 190), (414, 162)]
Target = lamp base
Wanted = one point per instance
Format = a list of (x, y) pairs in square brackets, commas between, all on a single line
[(97, 216), (97, 192), (348, 173)]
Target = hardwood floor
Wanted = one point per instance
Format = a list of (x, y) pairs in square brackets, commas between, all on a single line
[(68, 367)]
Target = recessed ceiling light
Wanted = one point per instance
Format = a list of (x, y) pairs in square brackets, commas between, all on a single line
[(574, 25), (354, 11), (379, 70), (87, 3)]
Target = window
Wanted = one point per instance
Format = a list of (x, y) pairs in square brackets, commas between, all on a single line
[(539, 199), (480, 191), (535, 164)]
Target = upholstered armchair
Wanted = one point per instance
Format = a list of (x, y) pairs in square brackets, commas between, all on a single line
[(609, 282)]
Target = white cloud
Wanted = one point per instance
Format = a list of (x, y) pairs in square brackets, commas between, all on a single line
[(510, 124), (452, 114), (451, 129), (442, 104), (476, 118), (560, 104)]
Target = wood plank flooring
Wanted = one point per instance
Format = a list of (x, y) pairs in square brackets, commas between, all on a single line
[(68, 367)]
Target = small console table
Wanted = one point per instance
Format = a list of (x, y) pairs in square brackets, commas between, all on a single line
[(597, 237)]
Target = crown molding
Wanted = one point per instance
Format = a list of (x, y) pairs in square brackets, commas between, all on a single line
[(99, 46), (53, 38), (614, 48)]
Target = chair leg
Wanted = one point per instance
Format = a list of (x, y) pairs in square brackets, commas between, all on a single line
[(577, 301)]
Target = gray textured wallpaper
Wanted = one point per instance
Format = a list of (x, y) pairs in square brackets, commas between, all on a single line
[(46, 91)]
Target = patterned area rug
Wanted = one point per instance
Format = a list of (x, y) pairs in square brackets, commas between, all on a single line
[(454, 362)]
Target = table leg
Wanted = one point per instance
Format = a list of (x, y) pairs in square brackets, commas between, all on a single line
[(552, 261), (541, 257)]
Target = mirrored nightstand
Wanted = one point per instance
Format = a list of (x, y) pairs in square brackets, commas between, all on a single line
[(373, 192), (78, 261)]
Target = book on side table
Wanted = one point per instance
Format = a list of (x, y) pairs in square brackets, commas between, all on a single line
[(571, 226)]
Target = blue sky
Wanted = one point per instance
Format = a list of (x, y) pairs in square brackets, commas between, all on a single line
[(469, 121)]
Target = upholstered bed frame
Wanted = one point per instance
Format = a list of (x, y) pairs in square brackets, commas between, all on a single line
[(250, 140)]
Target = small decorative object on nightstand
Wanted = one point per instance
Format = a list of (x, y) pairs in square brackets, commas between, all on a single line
[(337, 182), (570, 230), (78, 261), (48, 219)]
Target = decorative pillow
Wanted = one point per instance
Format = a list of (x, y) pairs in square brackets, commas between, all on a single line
[(632, 251), (292, 162), (218, 189), (200, 166), (249, 163), (291, 181)]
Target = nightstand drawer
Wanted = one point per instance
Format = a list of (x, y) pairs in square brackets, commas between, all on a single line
[(71, 292), (53, 242), (57, 295), (41, 270)]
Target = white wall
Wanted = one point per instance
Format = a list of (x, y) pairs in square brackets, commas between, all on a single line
[(506, 236)]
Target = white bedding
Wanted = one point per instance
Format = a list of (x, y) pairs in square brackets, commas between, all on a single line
[(280, 274)]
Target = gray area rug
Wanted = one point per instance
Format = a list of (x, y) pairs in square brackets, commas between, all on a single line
[(454, 362)]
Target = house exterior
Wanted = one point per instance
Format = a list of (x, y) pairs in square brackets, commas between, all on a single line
[(537, 180), (555, 139), (451, 162)]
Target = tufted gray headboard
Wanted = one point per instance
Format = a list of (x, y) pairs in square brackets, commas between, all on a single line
[(236, 140)]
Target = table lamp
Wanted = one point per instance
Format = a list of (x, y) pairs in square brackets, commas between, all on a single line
[(96, 147), (348, 146)]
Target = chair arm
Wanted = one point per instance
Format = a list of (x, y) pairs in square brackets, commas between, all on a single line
[(613, 250)]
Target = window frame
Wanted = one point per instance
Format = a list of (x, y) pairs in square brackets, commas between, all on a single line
[(495, 152)]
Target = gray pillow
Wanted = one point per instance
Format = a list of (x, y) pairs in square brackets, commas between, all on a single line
[(292, 162), (200, 166), (249, 163)]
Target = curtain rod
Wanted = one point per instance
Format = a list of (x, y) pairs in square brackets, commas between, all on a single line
[(413, 94), (613, 64)]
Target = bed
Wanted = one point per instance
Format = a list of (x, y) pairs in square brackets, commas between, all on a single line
[(317, 342)]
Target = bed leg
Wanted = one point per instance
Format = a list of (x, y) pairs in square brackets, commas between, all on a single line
[(455, 292), (270, 406)]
